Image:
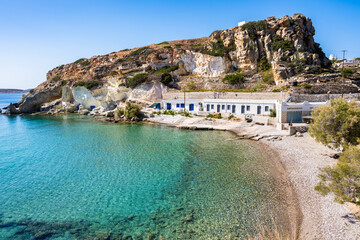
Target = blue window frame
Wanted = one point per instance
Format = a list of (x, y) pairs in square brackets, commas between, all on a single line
[(223, 107), (177, 105), (248, 108), (266, 108), (258, 110), (208, 107), (229, 106), (191, 107), (168, 106), (182, 105), (212, 106)]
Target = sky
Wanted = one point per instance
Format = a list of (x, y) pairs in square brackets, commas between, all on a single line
[(38, 35)]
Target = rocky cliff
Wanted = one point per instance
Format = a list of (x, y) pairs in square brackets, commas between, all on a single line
[(268, 52)]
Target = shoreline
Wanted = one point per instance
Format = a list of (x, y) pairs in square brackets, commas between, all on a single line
[(296, 162)]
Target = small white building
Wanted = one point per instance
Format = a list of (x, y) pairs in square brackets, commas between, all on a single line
[(177, 105), (288, 112), (242, 23), (239, 106)]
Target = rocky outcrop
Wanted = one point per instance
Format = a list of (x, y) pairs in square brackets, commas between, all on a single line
[(285, 47)]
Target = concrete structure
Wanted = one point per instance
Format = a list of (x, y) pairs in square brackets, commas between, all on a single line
[(177, 105), (288, 112)]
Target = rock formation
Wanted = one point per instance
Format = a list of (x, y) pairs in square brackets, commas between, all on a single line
[(280, 48)]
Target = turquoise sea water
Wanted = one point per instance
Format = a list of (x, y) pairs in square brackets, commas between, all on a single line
[(70, 177)]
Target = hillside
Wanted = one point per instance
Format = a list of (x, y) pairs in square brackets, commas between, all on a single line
[(257, 56)]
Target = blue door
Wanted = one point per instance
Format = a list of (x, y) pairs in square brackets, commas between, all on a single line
[(208, 107), (258, 109), (168, 106), (294, 117), (182, 105), (158, 106), (242, 109), (191, 107), (233, 109), (218, 108)]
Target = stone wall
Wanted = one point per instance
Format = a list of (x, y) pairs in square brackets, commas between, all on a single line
[(322, 97), (227, 95)]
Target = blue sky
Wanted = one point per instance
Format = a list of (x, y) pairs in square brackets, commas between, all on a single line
[(38, 35)]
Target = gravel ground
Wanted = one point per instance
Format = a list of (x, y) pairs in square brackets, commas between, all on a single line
[(322, 217)]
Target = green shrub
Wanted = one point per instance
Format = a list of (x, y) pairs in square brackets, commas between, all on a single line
[(167, 47), (178, 45), (210, 115), (63, 82), (56, 78), (82, 61), (276, 90), (167, 69), (133, 111), (343, 179), (113, 73), (88, 84), (162, 43), (187, 114), (307, 86), (191, 86), (137, 80), (218, 116), (236, 78), (280, 43), (272, 113), (268, 77), (138, 51), (166, 79), (347, 72), (218, 49), (253, 27), (264, 64)]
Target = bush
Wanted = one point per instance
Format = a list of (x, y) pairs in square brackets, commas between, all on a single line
[(272, 113), (167, 69), (253, 27), (218, 116), (347, 72), (191, 86), (264, 64), (276, 90), (138, 51), (56, 78), (82, 61), (233, 79), (343, 179), (186, 114), (166, 79), (137, 80), (88, 85), (163, 43), (337, 124), (218, 49), (133, 111), (63, 82), (268, 77), (279, 43), (167, 47), (210, 115)]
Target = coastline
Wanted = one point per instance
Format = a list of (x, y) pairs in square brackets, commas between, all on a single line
[(296, 163)]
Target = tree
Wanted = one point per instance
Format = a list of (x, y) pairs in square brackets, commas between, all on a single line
[(337, 124), (344, 178)]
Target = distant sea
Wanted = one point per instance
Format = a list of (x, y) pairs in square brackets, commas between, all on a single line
[(70, 177), (7, 98)]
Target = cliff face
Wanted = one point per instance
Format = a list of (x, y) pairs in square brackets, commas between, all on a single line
[(282, 48)]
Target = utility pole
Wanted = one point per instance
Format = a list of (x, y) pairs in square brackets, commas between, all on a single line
[(342, 80), (184, 99)]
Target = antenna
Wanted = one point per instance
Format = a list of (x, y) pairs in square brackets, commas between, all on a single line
[(342, 80)]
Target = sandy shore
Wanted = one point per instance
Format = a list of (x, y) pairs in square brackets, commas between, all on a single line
[(298, 160)]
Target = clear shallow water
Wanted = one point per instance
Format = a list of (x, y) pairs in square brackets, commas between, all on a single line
[(70, 177)]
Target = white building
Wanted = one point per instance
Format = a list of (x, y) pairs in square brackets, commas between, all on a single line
[(242, 23), (287, 112), (332, 57), (239, 106), (225, 106)]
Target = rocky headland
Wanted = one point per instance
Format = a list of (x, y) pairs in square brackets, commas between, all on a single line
[(264, 55)]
